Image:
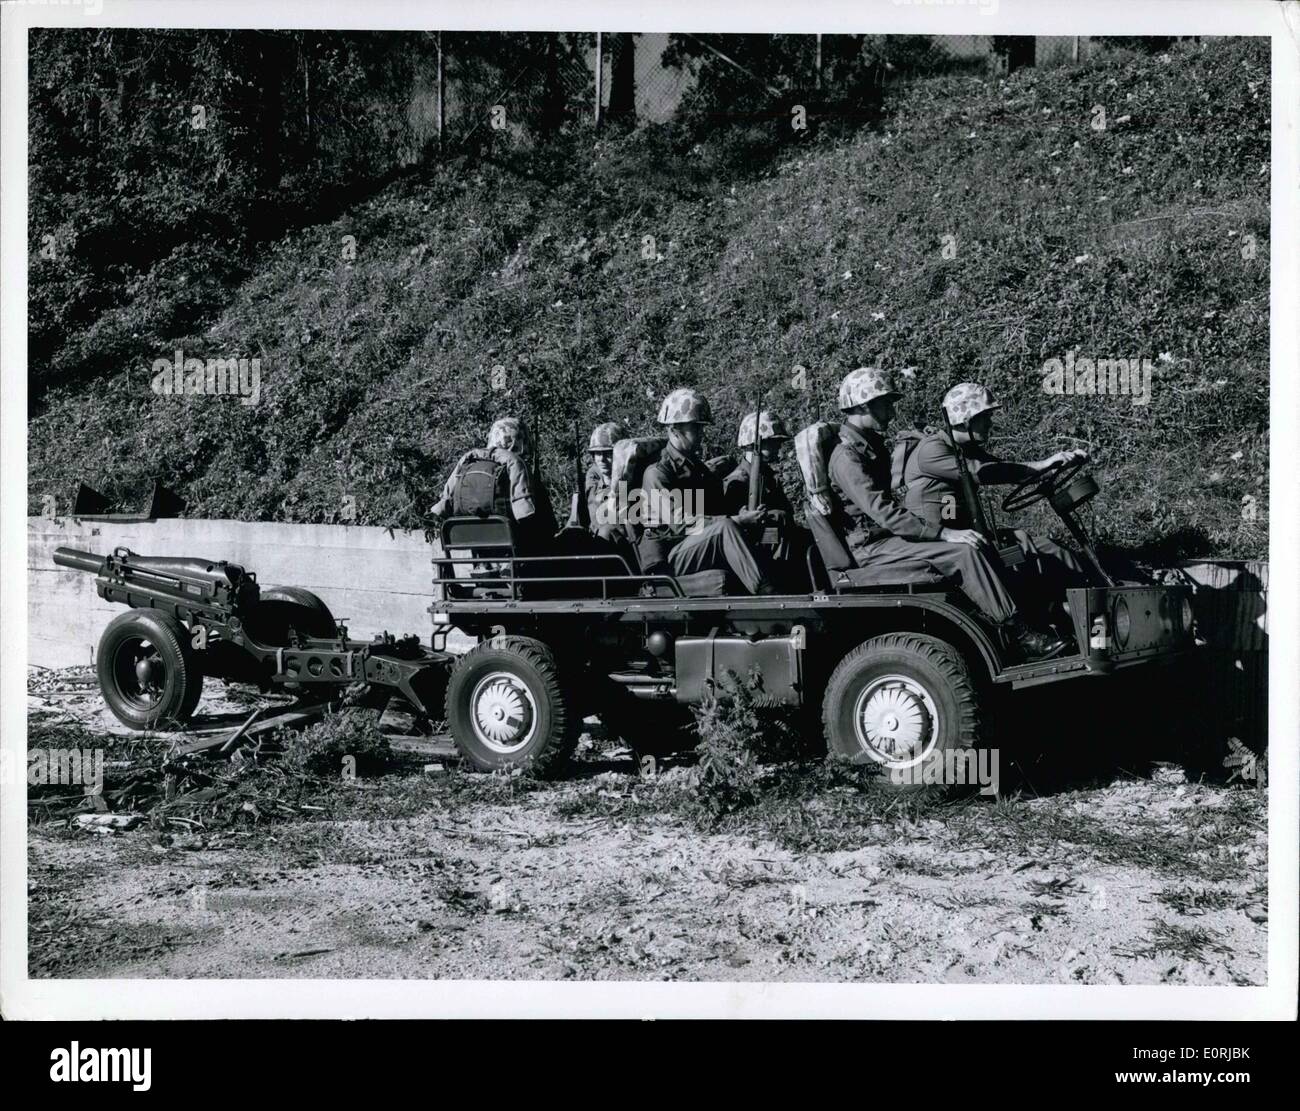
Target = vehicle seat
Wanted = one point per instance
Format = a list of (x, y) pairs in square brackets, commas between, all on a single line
[(490, 537), (813, 447)]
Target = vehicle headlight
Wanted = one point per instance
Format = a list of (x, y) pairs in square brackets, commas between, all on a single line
[(1121, 623)]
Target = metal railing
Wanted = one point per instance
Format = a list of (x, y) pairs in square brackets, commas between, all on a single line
[(509, 578)]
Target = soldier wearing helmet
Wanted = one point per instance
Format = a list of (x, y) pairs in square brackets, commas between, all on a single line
[(596, 481), (879, 531), (767, 433), (499, 478), (761, 442), (687, 526), (932, 479)]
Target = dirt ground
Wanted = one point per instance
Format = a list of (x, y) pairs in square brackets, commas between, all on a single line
[(431, 871)]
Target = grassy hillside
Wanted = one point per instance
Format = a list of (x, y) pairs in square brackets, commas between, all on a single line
[(487, 289)]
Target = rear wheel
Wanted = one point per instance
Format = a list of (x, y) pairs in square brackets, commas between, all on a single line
[(506, 707), (905, 703), (147, 670)]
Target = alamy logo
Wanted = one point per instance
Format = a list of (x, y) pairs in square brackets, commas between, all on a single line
[(102, 1065), (651, 508), (955, 767), (59, 767), (179, 377), (1084, 377)]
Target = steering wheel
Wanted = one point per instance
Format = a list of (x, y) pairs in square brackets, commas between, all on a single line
[(1042, 485)]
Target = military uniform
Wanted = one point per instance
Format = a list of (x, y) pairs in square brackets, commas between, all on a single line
[(686, 529), (932, 479), (597, 490), (879, 532), (735, 490), (528, 503), (697, 543), (788, 554)]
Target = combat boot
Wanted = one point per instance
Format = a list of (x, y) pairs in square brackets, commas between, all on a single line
[(1031, 644)]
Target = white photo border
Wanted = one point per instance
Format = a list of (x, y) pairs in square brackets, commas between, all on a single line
[(23, 998)]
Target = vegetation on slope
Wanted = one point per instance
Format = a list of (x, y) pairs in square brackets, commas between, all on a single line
[(982, 228)]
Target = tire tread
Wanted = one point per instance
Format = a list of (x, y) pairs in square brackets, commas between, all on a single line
[(548, 760), (938, 654)]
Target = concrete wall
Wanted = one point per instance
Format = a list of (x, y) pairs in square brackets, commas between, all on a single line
[(374, 580)]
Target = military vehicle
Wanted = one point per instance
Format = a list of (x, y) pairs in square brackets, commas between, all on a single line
[(894, 660)]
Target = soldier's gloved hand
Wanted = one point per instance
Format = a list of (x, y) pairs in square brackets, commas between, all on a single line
[(962, 536), (749, 516)]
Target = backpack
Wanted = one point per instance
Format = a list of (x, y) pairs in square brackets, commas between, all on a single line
[(483, 487), (812, 447), (903, 448), (632, 457)]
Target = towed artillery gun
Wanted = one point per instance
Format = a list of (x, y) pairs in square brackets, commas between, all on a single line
[(894, 658)]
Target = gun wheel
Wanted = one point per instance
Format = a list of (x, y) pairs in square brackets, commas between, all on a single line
[(147, 670)]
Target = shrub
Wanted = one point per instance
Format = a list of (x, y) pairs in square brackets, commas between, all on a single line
[(320, 749), (738, 733)]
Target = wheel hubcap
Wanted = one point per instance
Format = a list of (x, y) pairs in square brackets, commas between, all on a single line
[(895, 721), (140, 672), (504, 713)]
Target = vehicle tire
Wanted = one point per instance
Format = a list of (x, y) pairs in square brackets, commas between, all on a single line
[(902, 701), (281, 608), (507, 708), (147, 670)]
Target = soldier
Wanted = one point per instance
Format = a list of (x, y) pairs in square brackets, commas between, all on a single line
[(686, 528), (735, 487), (881, 532), (932, 479), (792, 540), (498, 479), (596, 482)]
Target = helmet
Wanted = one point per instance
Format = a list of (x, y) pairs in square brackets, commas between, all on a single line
[(966, 400), (510, 433), (865, 384), (770, 427), (685, 405), (605, 436)]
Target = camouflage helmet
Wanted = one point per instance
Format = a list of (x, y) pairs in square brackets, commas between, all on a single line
[(684, 406), (770, 427), (865, 384), (605, 436), (510, 433), (966, 400)]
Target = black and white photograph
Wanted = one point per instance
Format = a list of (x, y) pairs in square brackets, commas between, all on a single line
[(536, 512)]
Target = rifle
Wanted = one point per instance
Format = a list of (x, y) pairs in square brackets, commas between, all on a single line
[(579, 513), (755, 497), (1010, 555), (770, 535)]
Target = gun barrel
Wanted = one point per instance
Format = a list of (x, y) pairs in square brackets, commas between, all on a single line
[(78, 560)]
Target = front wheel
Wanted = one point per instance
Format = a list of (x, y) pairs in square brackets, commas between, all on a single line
[(905, 703), (506, 707), (147, 670)]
